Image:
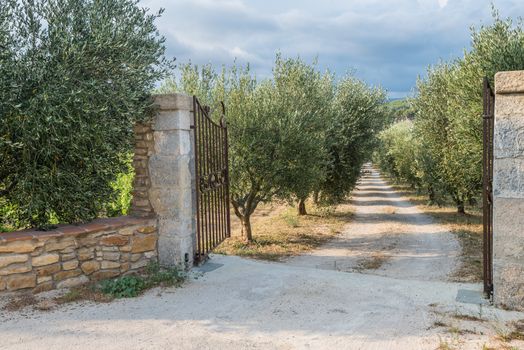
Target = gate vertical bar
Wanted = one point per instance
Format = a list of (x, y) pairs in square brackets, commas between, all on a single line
[(487, 184)]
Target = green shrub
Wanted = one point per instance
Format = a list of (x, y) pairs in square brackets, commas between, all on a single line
[(165, 277), (75, 75), (122, 187), (133, 285), (124, 287)]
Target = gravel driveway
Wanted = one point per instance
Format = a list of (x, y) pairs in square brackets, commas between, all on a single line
[(310, 302)]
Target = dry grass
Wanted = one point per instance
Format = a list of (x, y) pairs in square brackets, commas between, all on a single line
[(467, 318), (467, 227), (21, 301), (83, 293), (374, 262), (516, 332), (278, 231)]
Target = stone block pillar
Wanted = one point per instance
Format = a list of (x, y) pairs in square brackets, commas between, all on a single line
[(508, 191), (167, 183)]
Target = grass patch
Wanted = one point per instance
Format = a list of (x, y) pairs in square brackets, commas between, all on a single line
[(278, 232), (133, 285), (129, 286), (466, 227)]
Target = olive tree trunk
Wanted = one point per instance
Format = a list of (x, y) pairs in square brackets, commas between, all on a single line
[(302, 207), (246, 232)]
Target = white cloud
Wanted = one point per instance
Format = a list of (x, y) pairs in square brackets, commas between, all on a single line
[(385, 42), (442, 3)]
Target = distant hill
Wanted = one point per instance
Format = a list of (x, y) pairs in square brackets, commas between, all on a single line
[(399, 109), (397, 103)]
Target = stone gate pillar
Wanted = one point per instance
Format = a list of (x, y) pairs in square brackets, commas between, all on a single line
[(508, 191), (164, 183)]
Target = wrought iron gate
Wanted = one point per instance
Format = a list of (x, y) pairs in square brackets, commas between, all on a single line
[(487, 192), (212, 180)]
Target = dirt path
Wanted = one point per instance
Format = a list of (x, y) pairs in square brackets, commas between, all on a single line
[(388, 236), (238, 304)]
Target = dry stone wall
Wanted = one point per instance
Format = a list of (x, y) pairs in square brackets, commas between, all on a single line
[(73, 255)]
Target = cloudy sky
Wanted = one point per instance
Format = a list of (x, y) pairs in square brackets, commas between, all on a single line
[(384, 42)]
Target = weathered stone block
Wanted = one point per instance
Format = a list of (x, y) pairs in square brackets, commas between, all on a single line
[(508, 178), (20, 246), (113, 256), (139, 264), (88, 241), (509, 106), (73, 282), (12, 259), (86, 254), (172, 143), (114, 240), (43, 287), (509, 138), (135, 257), (508, 284), (127, 231), (46, 259), (169, 171), (60, 244), (509, 82), (143, 244), (15, 268), (90, 266), (172, 120), (126, 248), (48, 270), (68, 256), (15, 282), (106, 265), (110, 249), (104, 274), (70, 265), (150, 254), (147, 229), (62, 275), (3, 284), (43, 279)]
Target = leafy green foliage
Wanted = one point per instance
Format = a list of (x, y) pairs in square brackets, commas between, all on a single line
[(444, 144), (298, 133), (75, 75), (356, 116), (133, 285), (124, 287), (122, 187)]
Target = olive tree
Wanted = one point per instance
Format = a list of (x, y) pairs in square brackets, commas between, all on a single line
[(354, 120), (448, 107), (74, 77), (303, 99)]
